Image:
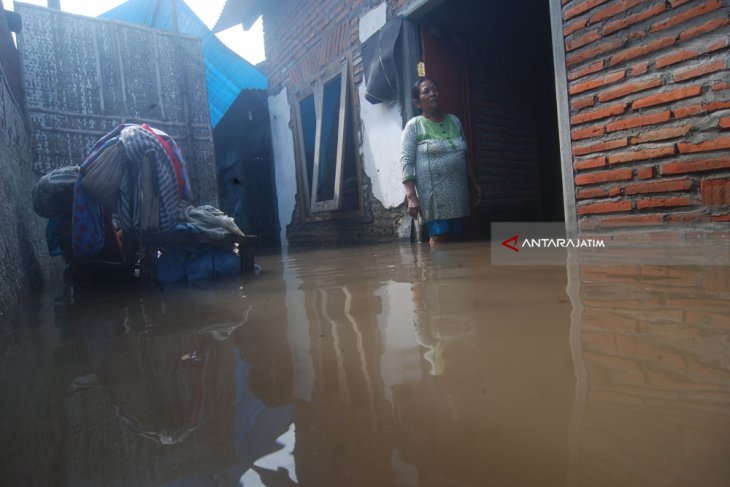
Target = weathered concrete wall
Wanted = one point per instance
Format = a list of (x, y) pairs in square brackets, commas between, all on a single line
[(84, 76), (23, 253)]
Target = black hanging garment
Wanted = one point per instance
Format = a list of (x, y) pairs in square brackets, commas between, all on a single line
[(381, 71)]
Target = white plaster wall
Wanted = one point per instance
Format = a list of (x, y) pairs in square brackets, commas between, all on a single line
[(381, 126), (285, 175), (372, 21)]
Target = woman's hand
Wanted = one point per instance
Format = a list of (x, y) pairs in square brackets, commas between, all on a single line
[(414, 206)]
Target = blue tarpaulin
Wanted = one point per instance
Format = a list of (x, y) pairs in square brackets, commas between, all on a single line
[(227, 74)]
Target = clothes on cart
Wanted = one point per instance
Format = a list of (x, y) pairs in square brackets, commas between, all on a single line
[(51, 195), (109, 181), (207, 220)]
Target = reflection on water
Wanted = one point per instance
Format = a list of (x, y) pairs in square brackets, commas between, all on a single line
[(653, 394), (376, 366)]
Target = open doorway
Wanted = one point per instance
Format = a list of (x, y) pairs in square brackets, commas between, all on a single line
[(245, 168), (493, 62)]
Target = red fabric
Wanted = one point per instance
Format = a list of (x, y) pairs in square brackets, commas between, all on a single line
[(175, 163)]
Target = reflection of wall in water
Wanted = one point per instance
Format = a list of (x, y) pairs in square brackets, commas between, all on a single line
[(156, 413), (32, 426), (348, 392), (656, 392), (389, 406)]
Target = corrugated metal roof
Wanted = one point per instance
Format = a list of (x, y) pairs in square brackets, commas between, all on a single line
[(238, 12), (226, 72)]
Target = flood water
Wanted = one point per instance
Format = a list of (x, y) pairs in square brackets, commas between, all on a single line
[(393, 365)]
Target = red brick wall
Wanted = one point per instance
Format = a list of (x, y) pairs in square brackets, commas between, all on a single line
[(649, 112), (302, 37)]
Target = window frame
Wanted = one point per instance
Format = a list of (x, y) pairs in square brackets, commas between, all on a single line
[(313, 210)]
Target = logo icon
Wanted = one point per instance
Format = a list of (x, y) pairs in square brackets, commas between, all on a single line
[(513, 244)]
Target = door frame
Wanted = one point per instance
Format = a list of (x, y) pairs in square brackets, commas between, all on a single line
[(414, 9)]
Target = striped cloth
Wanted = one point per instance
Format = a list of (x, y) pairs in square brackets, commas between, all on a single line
[(172, 179)]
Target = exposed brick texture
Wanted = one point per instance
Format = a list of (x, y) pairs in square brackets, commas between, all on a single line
[(660, 134), (603, 112), (648, 94), (628, 88), (600, 146), (592, 163), (638, 121), (715, 192), (641, 155), (603, 176), (663, 98), (577, 8), (701, 70), (607, 207), (588, 132), (642, 203), (596, 82), (586, 70), (302, 39), (658, 187), (645, 173)]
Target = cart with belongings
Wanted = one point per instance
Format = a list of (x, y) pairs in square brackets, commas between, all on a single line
[(127, 208)]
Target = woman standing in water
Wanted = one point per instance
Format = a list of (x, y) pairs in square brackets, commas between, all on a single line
[(436, 175)]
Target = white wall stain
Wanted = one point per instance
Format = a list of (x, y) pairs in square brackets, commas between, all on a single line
[(372, 21), (381, 149), (381, 129), (285, 175)]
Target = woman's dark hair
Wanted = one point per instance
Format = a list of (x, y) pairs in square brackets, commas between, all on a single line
[(416, 89)]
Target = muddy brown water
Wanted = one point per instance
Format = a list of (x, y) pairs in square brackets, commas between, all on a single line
[(391, 365)]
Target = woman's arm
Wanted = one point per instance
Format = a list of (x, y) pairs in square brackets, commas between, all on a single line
[(408, 146)]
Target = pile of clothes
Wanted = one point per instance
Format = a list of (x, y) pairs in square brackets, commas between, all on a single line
[(90, 206)]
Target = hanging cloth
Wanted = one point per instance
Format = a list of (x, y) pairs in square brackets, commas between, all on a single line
[(381, 70), (136, 141)]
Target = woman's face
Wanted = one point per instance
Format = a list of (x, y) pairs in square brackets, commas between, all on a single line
[(428, 97)]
